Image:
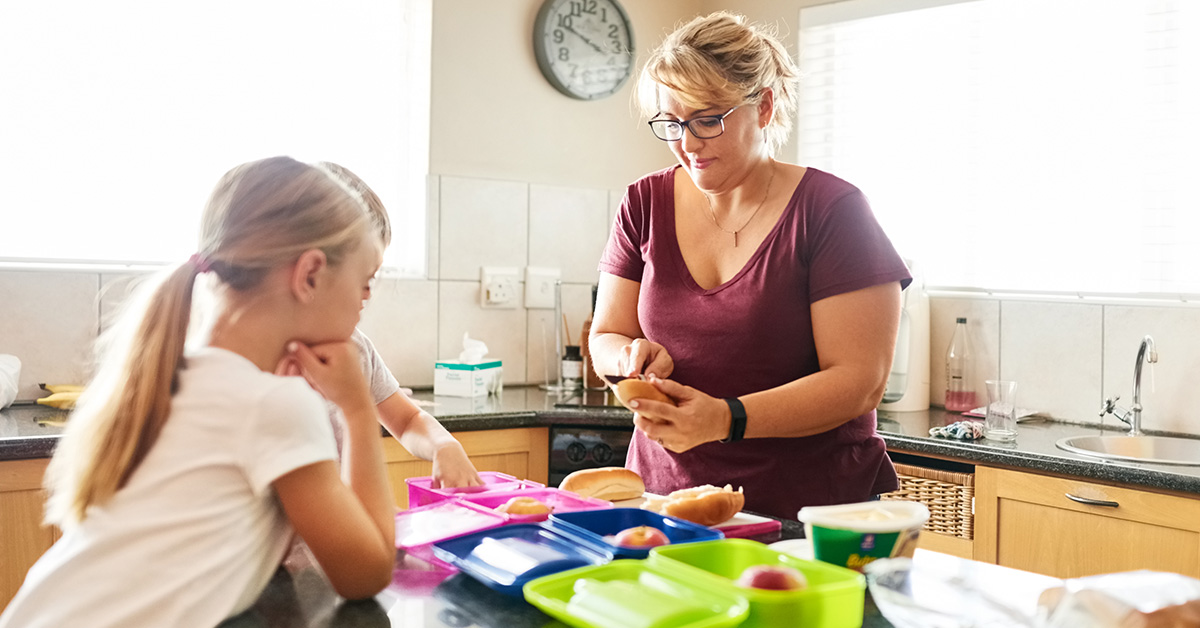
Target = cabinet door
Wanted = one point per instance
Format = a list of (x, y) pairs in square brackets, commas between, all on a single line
[(519, 452), (23, 538), (1032, 522)]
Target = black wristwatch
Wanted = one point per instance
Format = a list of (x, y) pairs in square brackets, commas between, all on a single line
[(737, 420)]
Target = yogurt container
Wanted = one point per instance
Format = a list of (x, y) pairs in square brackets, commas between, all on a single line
[(853, 535)]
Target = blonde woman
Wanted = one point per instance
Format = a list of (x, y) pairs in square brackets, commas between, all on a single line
[(181, 477), (765, 291)]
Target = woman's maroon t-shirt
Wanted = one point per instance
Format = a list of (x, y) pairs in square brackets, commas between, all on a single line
[(753, 333)]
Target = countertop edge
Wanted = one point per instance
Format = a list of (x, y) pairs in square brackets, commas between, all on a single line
[(1067, 464)]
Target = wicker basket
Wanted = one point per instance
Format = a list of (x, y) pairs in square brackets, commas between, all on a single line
[(949, 496)]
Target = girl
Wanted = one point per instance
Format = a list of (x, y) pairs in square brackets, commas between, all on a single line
[(180, 472)]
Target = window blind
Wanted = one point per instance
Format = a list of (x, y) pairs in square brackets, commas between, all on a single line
[(118, 117), (1016, 145)]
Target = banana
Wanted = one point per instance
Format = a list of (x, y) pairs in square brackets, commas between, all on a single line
[(62, 396), (61, 388)]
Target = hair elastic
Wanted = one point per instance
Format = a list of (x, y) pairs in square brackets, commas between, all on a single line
[(202, 264)]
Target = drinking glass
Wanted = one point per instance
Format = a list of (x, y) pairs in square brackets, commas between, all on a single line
[(1001, 421)]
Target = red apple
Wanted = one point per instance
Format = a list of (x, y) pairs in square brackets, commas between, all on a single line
[(773, 577), (641, 536)]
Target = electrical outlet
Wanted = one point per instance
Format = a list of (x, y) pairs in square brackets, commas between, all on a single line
[(498, 287), (539, 287)]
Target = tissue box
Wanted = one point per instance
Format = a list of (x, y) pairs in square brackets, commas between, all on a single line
[(455, 379)]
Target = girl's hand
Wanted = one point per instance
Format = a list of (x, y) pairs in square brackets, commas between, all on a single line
[(332, 369), (452, 468), (642, 356), (697, 419)]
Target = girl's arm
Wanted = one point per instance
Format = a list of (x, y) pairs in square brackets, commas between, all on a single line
[(348, 521), (424, 437)]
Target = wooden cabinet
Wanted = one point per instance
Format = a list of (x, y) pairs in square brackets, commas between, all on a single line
[(23, 538), (519, 452), (1042, 524)]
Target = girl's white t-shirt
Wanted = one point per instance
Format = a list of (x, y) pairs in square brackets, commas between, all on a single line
[(197, 532)]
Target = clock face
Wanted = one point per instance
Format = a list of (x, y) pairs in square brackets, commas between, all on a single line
[(584, 47)]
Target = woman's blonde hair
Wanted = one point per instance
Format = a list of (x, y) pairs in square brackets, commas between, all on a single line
[(261, 215), (722, 61)]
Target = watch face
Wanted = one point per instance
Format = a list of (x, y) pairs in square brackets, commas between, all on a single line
[(584, 47)]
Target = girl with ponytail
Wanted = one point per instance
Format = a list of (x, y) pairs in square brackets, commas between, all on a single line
[(184, 471)]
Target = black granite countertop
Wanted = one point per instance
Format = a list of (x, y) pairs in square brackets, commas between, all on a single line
[(30, 431)]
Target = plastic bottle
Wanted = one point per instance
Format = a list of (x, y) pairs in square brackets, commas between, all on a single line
[(960, 397), (590, 379)]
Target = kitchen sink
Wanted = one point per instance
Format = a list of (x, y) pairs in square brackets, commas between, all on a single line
[(1151, 449)]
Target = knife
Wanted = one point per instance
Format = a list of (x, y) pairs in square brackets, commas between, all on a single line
[(613, 379)]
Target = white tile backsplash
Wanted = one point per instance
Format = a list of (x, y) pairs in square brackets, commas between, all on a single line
[(1053, 352), (401, 319), (1169, 386), (568, 230), (481, 223), (49, 320), (502, 329), (983, 329)]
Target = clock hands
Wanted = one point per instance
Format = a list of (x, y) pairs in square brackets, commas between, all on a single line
[(586, 40)]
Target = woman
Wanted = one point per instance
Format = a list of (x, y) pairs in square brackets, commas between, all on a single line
[(761, 289), (182, 473)]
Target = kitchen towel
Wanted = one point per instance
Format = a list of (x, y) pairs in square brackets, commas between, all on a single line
[(10, 374)]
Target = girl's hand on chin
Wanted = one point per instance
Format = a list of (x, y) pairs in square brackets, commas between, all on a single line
[(333, 370)]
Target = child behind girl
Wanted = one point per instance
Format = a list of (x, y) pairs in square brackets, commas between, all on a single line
[(181, 475)]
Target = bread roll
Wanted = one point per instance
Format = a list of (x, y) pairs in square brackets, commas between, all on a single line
[(523, 506), (706, 505), (630, 389), (610, 483)]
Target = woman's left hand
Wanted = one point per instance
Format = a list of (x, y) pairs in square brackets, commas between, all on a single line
[(696, 418), (452, 468)]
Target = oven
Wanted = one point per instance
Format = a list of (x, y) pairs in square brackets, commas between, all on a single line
[(575, 447)]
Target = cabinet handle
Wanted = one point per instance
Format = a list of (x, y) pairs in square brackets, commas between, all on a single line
[(1092, 502)]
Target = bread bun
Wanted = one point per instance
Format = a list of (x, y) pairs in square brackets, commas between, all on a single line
[(706, 505), (523, 506), (629, 389), (610, 483)]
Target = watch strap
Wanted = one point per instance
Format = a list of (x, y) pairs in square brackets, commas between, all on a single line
[(737, 420)]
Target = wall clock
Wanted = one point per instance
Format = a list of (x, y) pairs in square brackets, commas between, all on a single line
[(584, 47)]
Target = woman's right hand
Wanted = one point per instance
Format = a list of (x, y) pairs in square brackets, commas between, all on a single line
[(642, 357), (332, 369)]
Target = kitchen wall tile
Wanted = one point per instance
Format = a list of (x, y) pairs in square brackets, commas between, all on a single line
[(503, 330), (401, 319), (567, 230), (1054, 353), (49, 320), (576, 306), (983, 325), (1168, 387), (433, 203), (481, 223)]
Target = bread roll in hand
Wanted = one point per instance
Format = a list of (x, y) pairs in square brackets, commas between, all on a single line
[(610, 483), (629, 389)]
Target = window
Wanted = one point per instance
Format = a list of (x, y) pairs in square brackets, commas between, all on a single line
[(119, 116), (1016, 145)]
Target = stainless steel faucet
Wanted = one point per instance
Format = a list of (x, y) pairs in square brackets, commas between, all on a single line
[(1133, 416)]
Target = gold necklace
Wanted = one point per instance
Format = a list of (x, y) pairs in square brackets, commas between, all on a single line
[(713, 215)]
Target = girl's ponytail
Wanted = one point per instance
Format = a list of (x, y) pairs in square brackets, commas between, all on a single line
[(125, 407)]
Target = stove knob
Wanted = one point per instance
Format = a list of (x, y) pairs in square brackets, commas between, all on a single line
[(576, 452), (602, 453)]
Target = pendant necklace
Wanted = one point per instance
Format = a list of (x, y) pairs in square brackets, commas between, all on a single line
[(713, 215)]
